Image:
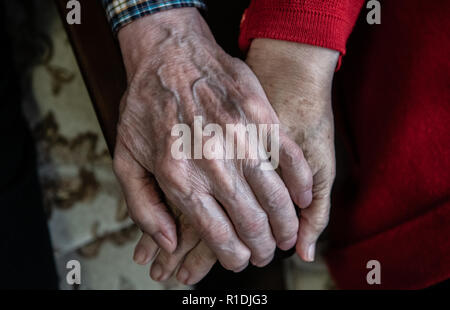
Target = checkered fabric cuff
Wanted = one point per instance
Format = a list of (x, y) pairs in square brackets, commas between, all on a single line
[(123, 12)]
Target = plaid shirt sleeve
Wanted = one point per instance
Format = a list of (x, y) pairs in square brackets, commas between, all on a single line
[(123, 12)]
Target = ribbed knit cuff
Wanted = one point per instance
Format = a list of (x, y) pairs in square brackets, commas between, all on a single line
[(322, 23)]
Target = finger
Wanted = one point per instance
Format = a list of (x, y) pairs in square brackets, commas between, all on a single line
[(196, 265), (165, 263), (295, 172), (249, 219), (215, 228), (274, 198), (145, 250), (228, 186), (145, 205), (313, 221)]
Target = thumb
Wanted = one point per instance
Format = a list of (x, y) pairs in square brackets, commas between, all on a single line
[(295, 172), (144, 200), (313, 221)]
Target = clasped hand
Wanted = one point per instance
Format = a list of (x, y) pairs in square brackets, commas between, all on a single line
[(194, 211)]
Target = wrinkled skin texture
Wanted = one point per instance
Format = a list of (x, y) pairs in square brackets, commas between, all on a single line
[(176, 71), (297, 80)]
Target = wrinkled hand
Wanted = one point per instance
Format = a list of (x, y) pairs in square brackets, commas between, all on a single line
[(175, 72), (297, 79), (300, 92)]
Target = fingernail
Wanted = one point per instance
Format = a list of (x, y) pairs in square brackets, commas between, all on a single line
[(311, 252), (140, 256), (163, 241), (156, 272), (183, 275)]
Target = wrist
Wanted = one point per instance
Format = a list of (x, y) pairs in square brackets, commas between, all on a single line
[(292, 69), (140, 40)]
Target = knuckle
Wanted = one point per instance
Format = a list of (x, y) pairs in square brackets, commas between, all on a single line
[(289, 230), (301, 190), (217, 233), (306, 180), (251, 164), (227, 186), (263, 256), (264, 260), (240, 260), (319, 221), (301, 180), (170, 174), (302, 198), (277, 198), (255, 226), (219, 175), (292, 154)]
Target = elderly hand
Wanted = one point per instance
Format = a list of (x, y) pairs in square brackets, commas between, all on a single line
[(176, 72), (297, 79)]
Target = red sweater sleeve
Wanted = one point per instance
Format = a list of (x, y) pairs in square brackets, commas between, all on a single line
[(325, 23)]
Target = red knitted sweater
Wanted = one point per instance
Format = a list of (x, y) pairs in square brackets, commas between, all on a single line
[(392, 103)]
